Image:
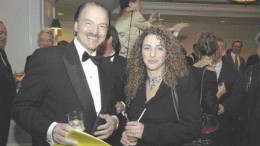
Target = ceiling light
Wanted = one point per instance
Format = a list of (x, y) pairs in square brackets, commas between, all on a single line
[(244, 1)]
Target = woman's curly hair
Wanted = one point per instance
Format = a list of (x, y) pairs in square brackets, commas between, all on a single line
[(175, 64)]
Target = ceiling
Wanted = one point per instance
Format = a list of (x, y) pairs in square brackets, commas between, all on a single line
[(191, 11)]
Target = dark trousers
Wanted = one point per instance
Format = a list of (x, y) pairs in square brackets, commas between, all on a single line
[(239, 132), (4, 129), (223, 135)]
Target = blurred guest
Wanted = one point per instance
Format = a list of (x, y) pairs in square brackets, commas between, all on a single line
[(131, 22), (65, 78), (246, 93), (206, 76), (7, 88), (45, 39), (254, 59), (226, 77), (62, 42), (158, 81), (110, 49), (233, 58)]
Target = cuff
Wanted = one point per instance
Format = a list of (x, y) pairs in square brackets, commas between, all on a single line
[(49, 133)]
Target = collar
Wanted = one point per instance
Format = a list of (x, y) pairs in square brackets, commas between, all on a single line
[(81, 49)]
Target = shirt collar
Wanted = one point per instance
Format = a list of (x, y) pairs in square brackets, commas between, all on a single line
[(81, 49)]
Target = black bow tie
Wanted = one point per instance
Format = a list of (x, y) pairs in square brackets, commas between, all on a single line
[(96, 60)]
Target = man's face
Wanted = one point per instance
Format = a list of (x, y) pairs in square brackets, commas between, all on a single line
[(3, 35), (219, 51), (236, 48), (91, 27), (45, 39)]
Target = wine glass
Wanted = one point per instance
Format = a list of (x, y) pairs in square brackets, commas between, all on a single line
[(75, 119)]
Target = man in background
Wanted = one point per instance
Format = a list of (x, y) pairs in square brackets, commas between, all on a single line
[(226, 77), (110, 49), (7, 88), (233, 58), (45, 39)]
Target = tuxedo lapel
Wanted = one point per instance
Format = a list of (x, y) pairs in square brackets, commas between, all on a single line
[(79, 83)]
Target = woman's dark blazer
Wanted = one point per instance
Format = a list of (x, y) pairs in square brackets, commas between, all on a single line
[(161, 126)]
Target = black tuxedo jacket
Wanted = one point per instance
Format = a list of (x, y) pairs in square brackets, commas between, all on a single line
[(54, 85), (7, 83), (228, 75), (7, 93), (120, 76), (229, 60)]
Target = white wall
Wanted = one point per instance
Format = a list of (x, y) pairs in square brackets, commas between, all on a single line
[(23, 21)]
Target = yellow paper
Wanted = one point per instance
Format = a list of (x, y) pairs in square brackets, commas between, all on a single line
[(84, 139)]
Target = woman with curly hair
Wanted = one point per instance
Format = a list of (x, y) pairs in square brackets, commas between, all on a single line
[(160, 92)]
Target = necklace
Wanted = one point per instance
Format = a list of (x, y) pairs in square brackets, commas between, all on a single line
[(153, 81)]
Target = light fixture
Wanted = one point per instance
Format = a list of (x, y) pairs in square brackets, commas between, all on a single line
[(55, 24), (244, 1)]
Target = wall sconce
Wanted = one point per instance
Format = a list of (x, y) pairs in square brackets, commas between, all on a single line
[(55, 25)]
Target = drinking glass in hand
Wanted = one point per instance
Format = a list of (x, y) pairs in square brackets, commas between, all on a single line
[(75, 119)]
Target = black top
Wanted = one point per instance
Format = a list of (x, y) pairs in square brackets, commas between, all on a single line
[(161, 126)]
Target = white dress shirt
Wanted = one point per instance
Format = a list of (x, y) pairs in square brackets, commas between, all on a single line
[(218, 67)]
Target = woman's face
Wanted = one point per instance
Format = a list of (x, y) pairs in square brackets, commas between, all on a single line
[(154, 53)]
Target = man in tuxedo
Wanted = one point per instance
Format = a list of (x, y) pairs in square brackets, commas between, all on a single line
[(233, 58), (254, 59), (226, 77), (64, 78), (7, 88)]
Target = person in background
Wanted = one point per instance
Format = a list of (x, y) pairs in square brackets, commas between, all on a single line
[(233, 58), (226, 77), (110, 49), (246, 93), (157, 81), (65, 78), (254, 59), (7, 88), (206, 76), (131, 22), (62, 42), (45, 39)]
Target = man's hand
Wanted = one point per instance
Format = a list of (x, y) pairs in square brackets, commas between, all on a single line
[(105, 130), (221, 109), (59, 133)]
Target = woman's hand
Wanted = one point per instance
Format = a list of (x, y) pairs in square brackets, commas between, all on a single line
[(134, 129), (124, 139)]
